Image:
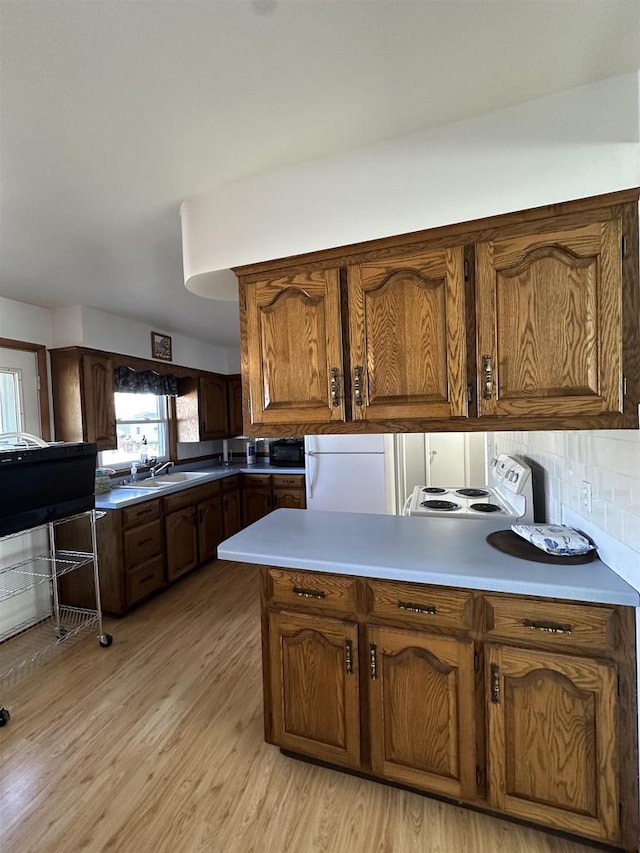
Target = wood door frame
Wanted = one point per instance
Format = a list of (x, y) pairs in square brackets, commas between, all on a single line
[(43, 374)]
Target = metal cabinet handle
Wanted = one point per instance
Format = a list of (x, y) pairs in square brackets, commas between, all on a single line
[(548, 627), (334, 387), (348, 656), (428, 609), (495, 684), (309, 593), (357, 384), (487, 377), (373, 662)]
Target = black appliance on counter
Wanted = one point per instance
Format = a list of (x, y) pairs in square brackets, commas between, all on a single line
[(42, 484), (287, 452)]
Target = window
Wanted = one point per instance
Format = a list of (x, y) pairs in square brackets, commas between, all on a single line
[(138, 416), (10, 400)]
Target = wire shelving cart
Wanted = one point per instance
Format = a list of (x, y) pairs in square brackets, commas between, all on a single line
[(43, 634)]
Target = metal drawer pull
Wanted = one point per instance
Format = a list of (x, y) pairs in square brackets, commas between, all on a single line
[(373, 663), (309, 593), (495, 683), (429, 609), (487, 377), (348, 656), (548, 627), (335, 394)]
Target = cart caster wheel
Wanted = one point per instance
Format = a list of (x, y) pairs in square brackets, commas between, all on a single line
[(5, 716), (62, 633), (105, 640)]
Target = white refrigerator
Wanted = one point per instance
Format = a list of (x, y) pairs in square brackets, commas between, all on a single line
[(350, 473)]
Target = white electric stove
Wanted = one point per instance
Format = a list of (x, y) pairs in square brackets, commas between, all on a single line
[(508, 496)]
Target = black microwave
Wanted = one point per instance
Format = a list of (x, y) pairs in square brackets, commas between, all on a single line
[(287, 452)]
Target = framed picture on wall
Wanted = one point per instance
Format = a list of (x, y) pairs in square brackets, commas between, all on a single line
[(160, 346)]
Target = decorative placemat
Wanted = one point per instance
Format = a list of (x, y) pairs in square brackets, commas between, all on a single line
[(510, 543)]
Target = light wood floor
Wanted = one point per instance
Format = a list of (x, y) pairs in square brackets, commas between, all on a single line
[(156, 745)]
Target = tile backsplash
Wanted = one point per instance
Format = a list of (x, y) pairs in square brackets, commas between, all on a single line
[(608, 460)]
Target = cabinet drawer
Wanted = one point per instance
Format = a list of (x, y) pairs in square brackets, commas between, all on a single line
[(230, 484), (140, 513), (326, 592), (257, 481), (180, 500), (145, 579), (537, 622), (288, 481), (427, 606), (142, 543)]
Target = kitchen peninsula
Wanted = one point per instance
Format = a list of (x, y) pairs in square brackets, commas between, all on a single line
[(409, 650)]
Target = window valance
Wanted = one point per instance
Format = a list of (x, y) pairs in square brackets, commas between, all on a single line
[(132, 381)]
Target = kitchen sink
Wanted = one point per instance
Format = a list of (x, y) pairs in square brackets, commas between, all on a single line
[(166, 480)]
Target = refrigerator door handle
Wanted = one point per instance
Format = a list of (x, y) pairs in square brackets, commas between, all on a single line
[(313, 472)]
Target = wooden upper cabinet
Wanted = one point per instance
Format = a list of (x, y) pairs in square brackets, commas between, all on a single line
[(552, 750), (549, 313), (201, 408), (99, 401), (234, 405), (294, 349), (408, 336), (422, 706), (83, 397)]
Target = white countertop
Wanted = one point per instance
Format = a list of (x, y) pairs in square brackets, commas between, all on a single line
[(440, 551), (118, 498)]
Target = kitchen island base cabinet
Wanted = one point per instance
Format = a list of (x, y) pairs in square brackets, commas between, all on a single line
[(422, 715), (523, 706), (315, 695), (552, 740)]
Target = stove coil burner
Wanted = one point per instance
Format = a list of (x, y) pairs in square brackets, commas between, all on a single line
[(446, 506), (434, 490), (485, 507), (472, 493)]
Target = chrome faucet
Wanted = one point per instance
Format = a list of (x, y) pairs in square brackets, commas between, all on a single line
[(158, 469)]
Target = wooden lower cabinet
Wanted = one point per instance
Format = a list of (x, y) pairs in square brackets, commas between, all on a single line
[(210, 527), (523, 706), (316, 697), (181, 537), (422, 711), (553, 740)]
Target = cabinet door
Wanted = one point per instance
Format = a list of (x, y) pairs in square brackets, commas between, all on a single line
[(181, 537), (256, 497), (213, 407), (422, 706), (314, 686), (552, 740), (549, 309), (98, 401), (232, 520), (234, 406), (408, 336), (210, 527), (294, 342)]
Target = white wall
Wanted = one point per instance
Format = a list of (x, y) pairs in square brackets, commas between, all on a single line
[(27, 323), (82, 326), (607, 459), (579, 143)]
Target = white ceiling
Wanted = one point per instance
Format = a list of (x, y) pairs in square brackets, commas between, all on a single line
[(113, 112)]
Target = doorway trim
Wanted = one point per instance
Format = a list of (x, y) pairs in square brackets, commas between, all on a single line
[(43, 376)]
